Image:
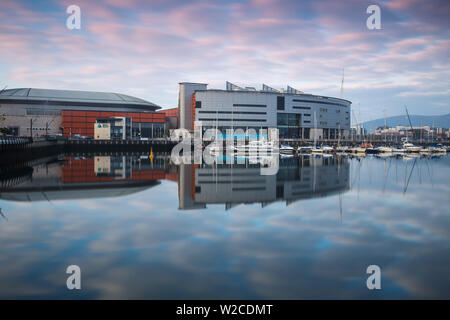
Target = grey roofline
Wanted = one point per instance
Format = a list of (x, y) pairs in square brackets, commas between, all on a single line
[(277, 93), (186, 82), (73, 98)]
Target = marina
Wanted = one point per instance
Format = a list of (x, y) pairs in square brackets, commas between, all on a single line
[(219, 158)]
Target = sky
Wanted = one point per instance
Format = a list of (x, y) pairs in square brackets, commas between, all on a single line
[(145, 48)]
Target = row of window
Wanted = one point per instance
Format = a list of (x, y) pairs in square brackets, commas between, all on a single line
[(37, 112), (304, 108), (37, 129), (320, 102), (234, 120), (198, 105), (232, 112)]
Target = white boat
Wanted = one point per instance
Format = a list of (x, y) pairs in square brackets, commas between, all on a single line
[(411, 148), (342, 149), (286, 149), (438, 149), (411, 155), (286, 155), (385, 149), (384, 155), (327, 149), (257, 146), (426, 150), (304, 149), (317, 149), (398, 150)]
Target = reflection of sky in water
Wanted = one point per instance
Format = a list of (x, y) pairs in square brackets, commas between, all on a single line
[(141, 246)]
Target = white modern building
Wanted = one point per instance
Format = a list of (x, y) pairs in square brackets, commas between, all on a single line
[(294, 113)]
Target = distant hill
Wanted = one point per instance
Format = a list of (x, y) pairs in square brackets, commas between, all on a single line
[(416, 120)]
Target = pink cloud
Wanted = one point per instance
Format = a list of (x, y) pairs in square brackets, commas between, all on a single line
[(149, 47)]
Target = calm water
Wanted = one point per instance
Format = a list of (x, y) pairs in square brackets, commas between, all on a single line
[(142, 228)]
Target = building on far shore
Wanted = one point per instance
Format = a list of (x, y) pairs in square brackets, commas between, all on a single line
[(41, 112), (294, 113), (417, 133)]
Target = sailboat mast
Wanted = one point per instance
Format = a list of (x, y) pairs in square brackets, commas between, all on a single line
[(315, 129)]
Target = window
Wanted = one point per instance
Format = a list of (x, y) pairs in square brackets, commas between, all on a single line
[(198, 104), (289, 125), (249, 105), (280, 103), (230, 119), (232, 112), (294, 120), (282, 119), (304, 108)]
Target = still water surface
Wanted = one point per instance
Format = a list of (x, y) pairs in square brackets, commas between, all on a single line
[(145, 228)]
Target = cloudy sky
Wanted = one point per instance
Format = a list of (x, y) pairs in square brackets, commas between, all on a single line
[(144, 48)]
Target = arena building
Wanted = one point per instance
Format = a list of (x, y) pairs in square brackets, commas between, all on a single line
[(40, 112), (296, 114)]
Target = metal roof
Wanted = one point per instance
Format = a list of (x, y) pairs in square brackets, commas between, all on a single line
[(73, 98)]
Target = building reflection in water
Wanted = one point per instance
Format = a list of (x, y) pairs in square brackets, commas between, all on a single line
[(234, 184), (62, 177), (96, 176)]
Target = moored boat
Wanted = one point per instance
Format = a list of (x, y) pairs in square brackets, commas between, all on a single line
[(316, 149), (411, 148), (385, 149), (286, 149), (398, 150), (327, 149), (304, 149)]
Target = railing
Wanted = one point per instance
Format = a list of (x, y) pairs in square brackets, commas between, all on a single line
[(14, 140)]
